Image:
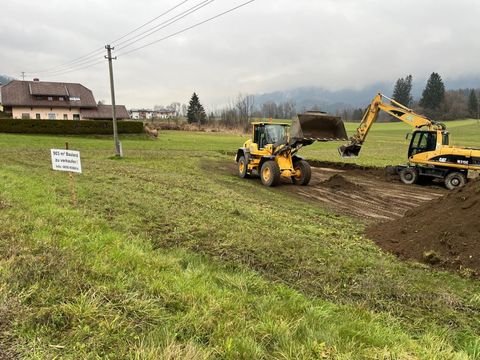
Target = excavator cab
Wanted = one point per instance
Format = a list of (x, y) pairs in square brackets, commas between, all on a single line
[(426, 140), (422, 141)]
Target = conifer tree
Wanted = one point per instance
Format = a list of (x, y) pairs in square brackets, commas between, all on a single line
[(473, 104), (195, 112), (434, 93), (402, 91)]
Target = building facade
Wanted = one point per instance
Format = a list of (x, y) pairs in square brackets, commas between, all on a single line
[(145, 114), (43, 100)]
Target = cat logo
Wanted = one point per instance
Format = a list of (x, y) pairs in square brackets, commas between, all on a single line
[(442, 160)]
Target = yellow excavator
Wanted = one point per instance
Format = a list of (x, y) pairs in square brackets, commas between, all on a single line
[(271, 153), (429, 155)]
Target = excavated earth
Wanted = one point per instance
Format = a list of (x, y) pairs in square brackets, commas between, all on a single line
[(444, 232)]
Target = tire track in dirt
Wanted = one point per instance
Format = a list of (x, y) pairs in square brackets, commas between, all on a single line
[(363, 193)]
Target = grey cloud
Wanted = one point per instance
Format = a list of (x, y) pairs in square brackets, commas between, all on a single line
[(266, 46)]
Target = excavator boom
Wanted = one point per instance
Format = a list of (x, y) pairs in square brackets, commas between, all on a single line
[(395, 109)]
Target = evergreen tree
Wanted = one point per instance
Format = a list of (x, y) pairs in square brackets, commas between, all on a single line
[(402, 91), (473, 104), (434, 93), (195, 112), (358, 114)]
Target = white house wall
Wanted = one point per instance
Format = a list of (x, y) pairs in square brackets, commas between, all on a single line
[(17, 112)]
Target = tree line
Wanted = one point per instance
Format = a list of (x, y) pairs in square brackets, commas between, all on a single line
[(436, 103), (239, 112)]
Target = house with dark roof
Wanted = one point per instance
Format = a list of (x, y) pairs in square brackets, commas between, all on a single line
[(54, 100), (104, 112)]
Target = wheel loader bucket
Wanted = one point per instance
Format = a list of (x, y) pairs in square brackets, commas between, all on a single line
[(318, 126)]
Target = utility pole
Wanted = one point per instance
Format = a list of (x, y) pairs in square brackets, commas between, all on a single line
[(23, 75), (118, 151)]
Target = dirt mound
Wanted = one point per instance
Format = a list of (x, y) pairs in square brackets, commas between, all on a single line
[(338, 182), (443, 232)]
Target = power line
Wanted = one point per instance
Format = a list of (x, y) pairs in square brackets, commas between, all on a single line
[(186, 29), (149, 22), (80, 59), (87, 63), (86, 58), (165, 24), (76, 69), (80, 64)]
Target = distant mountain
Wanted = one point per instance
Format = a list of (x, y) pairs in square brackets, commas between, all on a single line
[(307, 98), (472, 82), (310, 97), (4, 79)]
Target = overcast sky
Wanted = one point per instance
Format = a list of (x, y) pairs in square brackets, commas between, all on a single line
[(265, 46)]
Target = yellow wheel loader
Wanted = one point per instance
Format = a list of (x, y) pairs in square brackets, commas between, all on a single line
[(429, 155), (271, 153)]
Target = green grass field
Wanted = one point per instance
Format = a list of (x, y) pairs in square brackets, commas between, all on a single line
[(167, 255)]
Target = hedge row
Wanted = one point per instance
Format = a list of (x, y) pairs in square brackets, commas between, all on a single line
[(69, 127)]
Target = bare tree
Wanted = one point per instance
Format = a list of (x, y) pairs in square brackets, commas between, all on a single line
[(176, 107), (269, 109), (244, 107), (184, 110)]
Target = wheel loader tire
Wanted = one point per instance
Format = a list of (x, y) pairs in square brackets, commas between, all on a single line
[(409, 175), (270, 173), (242, 167), (305, 172), (455, 180)]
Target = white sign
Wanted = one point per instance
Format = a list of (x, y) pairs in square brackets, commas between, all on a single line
[(66, 160)]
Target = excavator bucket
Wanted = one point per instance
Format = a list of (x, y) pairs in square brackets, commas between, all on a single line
[(351, 150), (318, 126)]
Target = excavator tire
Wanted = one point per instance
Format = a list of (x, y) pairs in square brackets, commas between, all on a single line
[(270, 173), (305, 172), (242, 167), (455, 180), (409, 175)]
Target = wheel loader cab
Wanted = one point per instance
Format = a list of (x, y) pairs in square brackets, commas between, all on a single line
[(264, 134)]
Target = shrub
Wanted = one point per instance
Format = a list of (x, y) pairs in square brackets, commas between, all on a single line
[(68, 127)]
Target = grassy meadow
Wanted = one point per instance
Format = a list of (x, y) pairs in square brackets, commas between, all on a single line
[(166, 254)]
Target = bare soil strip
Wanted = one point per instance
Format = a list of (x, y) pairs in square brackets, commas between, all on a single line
[(365, 193)]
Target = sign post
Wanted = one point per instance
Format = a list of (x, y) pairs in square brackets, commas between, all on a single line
[(69, 161)]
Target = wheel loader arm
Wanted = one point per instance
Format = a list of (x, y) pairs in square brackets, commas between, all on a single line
[(293, 146), (370, 116)]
